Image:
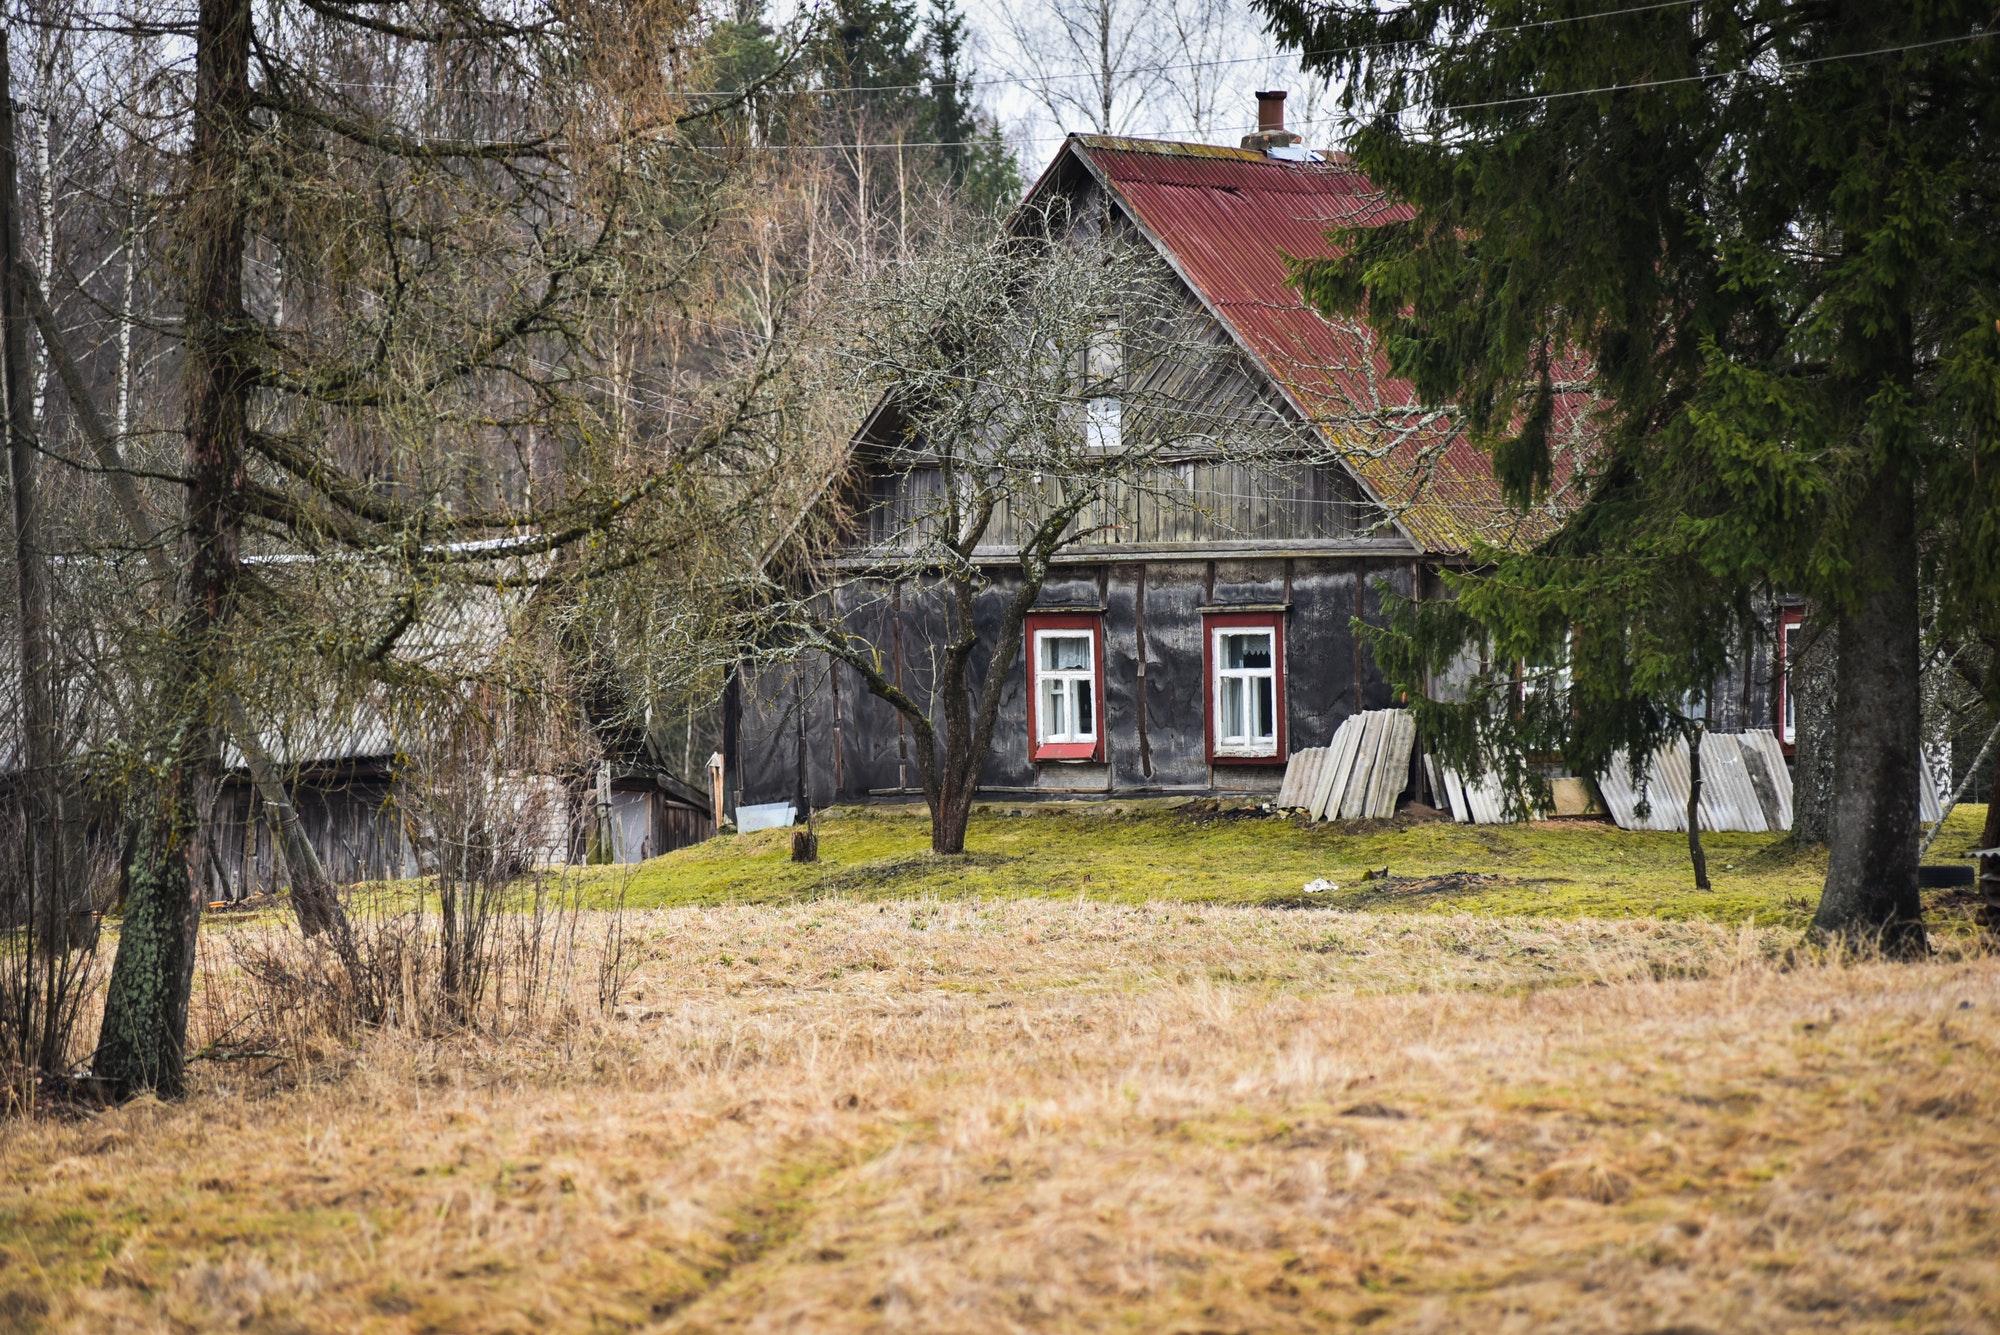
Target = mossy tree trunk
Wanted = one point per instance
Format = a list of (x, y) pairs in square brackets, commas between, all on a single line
[(143, 1042), (146, 1002)]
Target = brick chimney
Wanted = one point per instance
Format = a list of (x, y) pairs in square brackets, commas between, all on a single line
[(1271, 131)]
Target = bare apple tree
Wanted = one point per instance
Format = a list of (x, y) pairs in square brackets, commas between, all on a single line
[(1036, 384)]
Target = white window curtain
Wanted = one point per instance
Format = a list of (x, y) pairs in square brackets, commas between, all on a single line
[(1066, 686)]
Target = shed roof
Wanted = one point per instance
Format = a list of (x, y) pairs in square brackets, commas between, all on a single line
[(1228, 220)]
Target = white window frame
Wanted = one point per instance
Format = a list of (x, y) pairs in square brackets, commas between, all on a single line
[(1250, 745), (1069, 679), (1788, 712)]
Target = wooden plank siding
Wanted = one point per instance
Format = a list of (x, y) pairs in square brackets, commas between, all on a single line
[(1198, 495)]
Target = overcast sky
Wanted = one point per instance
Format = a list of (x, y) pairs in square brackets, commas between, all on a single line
[(1213, 65)]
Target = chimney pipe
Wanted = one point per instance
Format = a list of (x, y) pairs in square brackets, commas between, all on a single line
[(1270, 110), (1271, 132)]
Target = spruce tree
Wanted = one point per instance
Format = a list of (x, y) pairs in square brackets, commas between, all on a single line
[(1765, 232)]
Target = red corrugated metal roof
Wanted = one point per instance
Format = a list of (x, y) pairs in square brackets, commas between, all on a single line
[(1226, 219)]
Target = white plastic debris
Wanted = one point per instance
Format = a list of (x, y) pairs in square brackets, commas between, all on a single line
[(766, 816)]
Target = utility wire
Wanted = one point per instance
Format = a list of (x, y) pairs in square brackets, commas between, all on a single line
[(1783, 68), (1042, 80), (1034, 81)]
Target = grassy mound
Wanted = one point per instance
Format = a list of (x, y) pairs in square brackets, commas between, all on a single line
[(1136, 852)]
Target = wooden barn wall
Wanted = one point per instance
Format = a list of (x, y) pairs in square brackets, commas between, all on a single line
[(678, 825), (353, 826), (358, 831), (857, 751), (646, 822)]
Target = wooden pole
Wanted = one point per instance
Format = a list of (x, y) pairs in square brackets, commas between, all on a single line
[(1695, 853)]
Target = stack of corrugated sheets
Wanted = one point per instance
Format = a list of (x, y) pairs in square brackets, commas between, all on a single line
[(1933, 785), (1744, 786), (1360, 774), (1479, 801)]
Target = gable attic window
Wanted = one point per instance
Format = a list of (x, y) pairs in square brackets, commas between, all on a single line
[(1103, 424), (1066, 684), (1245, 654), (1104, 414)]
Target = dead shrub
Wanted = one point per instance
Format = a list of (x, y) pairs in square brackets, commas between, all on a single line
[(56, 876), (487, 940)]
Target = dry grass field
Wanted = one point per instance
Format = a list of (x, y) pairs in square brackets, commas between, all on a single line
[(1003, 1113)]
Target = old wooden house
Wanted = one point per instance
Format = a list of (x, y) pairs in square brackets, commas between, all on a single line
[(1188, 648)]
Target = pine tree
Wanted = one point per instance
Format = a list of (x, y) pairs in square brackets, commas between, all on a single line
[(896, 75), (1769, 227)]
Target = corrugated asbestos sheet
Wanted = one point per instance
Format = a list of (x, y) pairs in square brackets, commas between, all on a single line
[(1744, 786), (1360, 774), (1475, 802), (1229, 219), (1301, 777), (1936, 786), (455, 638), (1365, 768)]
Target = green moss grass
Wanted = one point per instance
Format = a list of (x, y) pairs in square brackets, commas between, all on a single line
[(1142, 851)]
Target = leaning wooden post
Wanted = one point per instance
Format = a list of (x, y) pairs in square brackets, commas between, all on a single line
[(1694, 809)]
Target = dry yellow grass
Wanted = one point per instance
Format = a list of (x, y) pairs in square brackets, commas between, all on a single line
[(1021, 1115)]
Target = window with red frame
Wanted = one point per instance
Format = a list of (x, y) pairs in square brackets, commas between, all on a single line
[(1244, 653), (1791, 633), (1066, 686)]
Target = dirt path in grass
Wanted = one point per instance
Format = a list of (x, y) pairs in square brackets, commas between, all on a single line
[(1033, 1116)]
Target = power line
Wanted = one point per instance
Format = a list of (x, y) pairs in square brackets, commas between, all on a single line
[(1781, 68), (1029, 81)]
